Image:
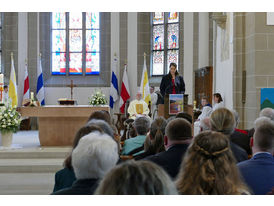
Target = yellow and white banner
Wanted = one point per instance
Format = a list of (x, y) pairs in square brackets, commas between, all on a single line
[(12, 85), (144, 86)]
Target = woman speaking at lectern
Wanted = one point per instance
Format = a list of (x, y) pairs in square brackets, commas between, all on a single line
[(172, 83)]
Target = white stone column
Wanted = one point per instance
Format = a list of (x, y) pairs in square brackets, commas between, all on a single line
[(132, 53), (115, 49), (22, 52), (203, 51), (188, 55)]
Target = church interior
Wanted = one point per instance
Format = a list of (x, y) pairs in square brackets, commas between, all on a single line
[(229, 53)]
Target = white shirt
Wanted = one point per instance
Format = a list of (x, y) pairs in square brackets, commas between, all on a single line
[(154, 98), (218, 106)]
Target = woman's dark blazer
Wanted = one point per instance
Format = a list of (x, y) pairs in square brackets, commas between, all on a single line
[(166, 85)]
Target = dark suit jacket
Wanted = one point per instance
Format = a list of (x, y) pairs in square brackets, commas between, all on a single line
[(241, 140), (80, 187), (166, 85), (171, 159), (239, 153), (63, 179), (258, 173)]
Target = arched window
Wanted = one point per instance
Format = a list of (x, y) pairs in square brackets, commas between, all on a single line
[(75, 43), (165, 41)]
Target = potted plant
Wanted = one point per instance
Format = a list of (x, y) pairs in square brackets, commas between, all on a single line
[(10, 121), (98, 99)]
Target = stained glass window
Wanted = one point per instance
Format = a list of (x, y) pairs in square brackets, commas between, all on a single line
[(58, 20), (165, 45), (74, 54), (158, 37), (173, 17), (173, 36), (75, 20), (158, 18), (158, 62)]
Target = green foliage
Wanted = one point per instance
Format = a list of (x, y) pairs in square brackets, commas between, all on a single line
[(10, 119), (98, 99)]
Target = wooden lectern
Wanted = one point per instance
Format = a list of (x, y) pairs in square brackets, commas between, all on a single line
[(163, 109)]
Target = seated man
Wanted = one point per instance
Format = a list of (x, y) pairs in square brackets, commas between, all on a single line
[(141, 125), (138, 107), (178, 136), (258, 172)]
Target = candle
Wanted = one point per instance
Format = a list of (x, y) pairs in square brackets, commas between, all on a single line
[(1, 87), (31, 96)]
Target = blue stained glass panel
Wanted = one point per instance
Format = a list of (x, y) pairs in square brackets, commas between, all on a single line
[(172, 57), (158, 18), (92, 63), (58, 63), (92, 20), (75, 40), (173, 17), (75, 63), (92, 40), (58, 20), (158, 37), (75, 20), (58, 40), (158, 63), (173, 36)]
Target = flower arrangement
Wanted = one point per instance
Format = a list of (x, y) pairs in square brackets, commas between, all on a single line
[(98, 99), (10, 119)]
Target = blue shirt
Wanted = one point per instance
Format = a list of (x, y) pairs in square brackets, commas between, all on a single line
[(133, 143)]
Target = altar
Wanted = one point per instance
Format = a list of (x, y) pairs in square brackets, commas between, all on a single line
[(58, 124)]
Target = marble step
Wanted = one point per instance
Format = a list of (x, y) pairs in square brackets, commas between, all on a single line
[(30, 165), (35, 153), (26, 183)]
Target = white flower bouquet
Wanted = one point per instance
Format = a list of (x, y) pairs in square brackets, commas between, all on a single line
[(98, 99), (10, 119)]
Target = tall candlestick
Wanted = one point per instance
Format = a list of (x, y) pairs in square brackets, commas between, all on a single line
[(31, 96), (1, 87)]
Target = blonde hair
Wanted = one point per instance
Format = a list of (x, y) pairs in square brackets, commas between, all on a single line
[(222, 120), (209, 167), (137, 178)]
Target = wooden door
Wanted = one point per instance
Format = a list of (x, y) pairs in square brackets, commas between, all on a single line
[(203, 84)]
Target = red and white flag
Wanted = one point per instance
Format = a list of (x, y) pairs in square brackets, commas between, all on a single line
[(26, 84), (125, 95)]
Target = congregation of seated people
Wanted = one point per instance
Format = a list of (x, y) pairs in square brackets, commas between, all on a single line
[(163, 157)]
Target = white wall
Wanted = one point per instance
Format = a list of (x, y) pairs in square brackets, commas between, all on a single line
[(132, 53), (203, 47), (224, 69), (22, 53), (188, 56)]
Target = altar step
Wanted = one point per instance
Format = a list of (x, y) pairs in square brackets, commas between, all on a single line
[(26, 183), (35, 160), (36, 153)]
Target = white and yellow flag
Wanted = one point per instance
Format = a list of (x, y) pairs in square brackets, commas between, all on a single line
[(12, 85), (144, 86)]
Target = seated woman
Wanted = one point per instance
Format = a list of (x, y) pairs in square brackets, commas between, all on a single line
[(218, 101), (212, 166), (138, 107), (154, 142), (136, 178), (65, 177)]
